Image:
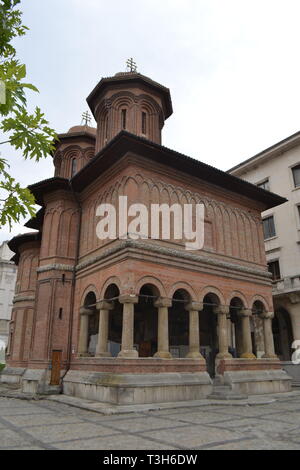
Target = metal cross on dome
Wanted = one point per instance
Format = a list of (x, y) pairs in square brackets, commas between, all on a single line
[(131, 65), (86, 118)]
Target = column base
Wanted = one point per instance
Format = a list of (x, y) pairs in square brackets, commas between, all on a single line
[(129, 353), (103, 354), (248, 356), (163, 355), (195, 355), (224, 355), (269, 356)]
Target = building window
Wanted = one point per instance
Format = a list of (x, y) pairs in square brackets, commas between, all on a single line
[(269, 227), (264, 185), (144, 123), (106, 128), (73, 166), (274, 268), (296, 175), (123, 118)]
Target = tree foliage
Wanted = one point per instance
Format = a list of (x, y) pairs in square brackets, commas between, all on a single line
[(25, 131)]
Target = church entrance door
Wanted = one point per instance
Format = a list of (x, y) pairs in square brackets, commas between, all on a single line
[(56, 367)]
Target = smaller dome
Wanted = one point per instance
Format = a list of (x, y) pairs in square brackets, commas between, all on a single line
[(122, 74), (82, 129)]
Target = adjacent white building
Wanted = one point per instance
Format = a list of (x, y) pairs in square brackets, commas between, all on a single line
[(8, 275), (277, 169)]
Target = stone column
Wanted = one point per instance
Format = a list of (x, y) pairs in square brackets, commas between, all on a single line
[(222, 311), (194, 330), (128, 302), (268, 335), (84, 331), (163, 328), (102, 345), (246, 341)]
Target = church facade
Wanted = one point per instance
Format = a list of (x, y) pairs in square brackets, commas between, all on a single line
[(138, 318)]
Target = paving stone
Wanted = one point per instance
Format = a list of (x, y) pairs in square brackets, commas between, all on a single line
[(254, 425), (199, 417), (256, 444), (41, 419), (62, 432), (193, 436), (11, 438), (145, 423), (121, 442)]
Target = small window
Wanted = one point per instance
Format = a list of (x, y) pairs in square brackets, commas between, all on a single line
[(296, 175), (298, 208), (123, 118), (106, 128), (274, 268), (269, 227), (264, 185), (144, 123), (73, 166)]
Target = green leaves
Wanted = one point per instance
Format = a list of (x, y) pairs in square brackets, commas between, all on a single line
[(15, 202), (10, 27), (29, 132)]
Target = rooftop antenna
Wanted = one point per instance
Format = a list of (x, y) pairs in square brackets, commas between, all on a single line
[(131, 65)]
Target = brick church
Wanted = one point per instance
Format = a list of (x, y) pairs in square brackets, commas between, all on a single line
[(136, 319)]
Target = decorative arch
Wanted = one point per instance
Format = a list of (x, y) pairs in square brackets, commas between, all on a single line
[(87, 290), (261, 299), (150, 280), (212, 290), (111, 280), (239, 295), (184, 286)]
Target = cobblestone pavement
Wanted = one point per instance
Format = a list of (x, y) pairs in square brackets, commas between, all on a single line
[(48, 425)]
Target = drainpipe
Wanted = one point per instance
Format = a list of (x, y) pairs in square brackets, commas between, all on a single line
[(72, 302)]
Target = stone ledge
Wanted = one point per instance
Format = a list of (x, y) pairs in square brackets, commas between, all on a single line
[(138, 365)]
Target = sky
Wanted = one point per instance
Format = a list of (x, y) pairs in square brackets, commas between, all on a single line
[(232, 67)]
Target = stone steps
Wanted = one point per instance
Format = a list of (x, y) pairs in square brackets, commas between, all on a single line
[(224, 392)]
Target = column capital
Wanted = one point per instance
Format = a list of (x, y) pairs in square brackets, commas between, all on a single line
[(163, 302), (128, 299), (104, 305), (221, 310), (197, 306), (85, 311), (245, 312), (267, 315)]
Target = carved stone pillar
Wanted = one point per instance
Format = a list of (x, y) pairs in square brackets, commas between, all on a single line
[(84, 331), (245, 315), (102, 345), (194, 330), (222, 311), (268, 335), (127, 350), (163, 328)]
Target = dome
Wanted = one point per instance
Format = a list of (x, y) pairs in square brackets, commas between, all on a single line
[(82, 129)]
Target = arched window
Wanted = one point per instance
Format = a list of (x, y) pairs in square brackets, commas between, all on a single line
[(144, 123), (123, 118), (73, 166)]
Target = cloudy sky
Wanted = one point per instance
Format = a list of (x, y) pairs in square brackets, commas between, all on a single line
[(232, 66)]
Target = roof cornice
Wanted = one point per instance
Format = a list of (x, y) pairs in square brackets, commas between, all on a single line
[(271, 152)]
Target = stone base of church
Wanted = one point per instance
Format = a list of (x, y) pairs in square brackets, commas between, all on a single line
[(12, 375), (253, 377), (129, 389)]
